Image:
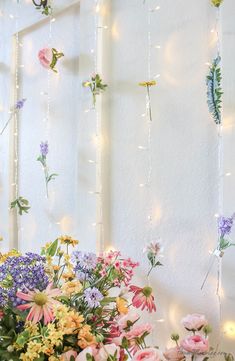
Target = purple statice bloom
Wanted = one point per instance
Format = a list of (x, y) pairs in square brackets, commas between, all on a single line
[(93, 296), (21, 273), (44, 148), (85, 260), (20, 103), (225, 225)]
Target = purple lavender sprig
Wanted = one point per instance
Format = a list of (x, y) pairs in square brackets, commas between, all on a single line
[(44, 150), (18, 106), (225, 225)]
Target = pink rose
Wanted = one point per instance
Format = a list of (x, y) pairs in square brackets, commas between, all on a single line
[(91, 350), (194, 322), (106, 350), (195, 344), (174, 354), (45, 57), (67, 355), (138, 330), (147, 354)]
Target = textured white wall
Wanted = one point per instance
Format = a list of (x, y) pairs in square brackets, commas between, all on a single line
[(184, 187)]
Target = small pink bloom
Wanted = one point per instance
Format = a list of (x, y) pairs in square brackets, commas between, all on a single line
[(45, 57), (91, 350), (147, 354), (1, 314), (41, 303), (123, 320), (194, 322), (108, 350), (143, 298), (136, 332), (67, 355), (195, 344), (174, 354)]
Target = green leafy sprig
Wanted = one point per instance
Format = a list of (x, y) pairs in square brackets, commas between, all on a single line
[(214, 90), (21, 204), (43, 6), (96, 86)]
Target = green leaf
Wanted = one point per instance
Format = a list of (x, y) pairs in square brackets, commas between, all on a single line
[(51, 251)]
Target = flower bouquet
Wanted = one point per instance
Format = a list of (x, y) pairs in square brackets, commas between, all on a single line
[(61, 307)]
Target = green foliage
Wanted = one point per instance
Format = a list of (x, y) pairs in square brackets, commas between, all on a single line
[(214, 90), (21, 204), (96, 86), (43, 6), (216, 3)]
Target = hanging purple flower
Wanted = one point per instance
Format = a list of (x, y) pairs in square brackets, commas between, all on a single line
[(225, 225), (20, 103), (44, 149)]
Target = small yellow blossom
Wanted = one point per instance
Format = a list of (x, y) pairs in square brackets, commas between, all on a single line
[(148, 83), (54, 358), (56, 268), (68, 276), (68, 240), (71, 287), (122, 305), (85, 337), (86, 84), (71, 323), (12, 253)]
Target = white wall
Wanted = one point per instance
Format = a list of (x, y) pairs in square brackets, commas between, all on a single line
[(184, 187)]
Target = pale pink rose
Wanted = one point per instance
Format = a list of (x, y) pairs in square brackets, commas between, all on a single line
[(194, 322), (67, 355), (106, 350), (138, 330), (174, 354), (131, 316), (147, 354), (195, 344), (91, 350), (45, 57)]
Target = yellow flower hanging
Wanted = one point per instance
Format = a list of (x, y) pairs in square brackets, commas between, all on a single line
[(147, 85), (216, 3)]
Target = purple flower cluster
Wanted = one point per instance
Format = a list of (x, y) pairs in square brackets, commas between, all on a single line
[(44, 149), (93, 296), (225, 225), (85, 262), (21, 273), (20, 104)]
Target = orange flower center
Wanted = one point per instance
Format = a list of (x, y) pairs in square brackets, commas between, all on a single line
[(40, 299)]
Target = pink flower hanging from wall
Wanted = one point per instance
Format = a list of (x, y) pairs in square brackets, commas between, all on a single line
[(48, 58)]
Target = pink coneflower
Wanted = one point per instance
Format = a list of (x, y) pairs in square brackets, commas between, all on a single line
[(41, 303), (143, 298)]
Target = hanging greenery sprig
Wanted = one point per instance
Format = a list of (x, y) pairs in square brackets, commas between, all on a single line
[(214, 90), (217, 3), (96, 86), (21, 204), (44, 149), (43, 5)]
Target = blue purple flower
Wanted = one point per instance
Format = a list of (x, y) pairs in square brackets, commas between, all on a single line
[(225, 225), (21, 273), (44, 148), (20, 103), (85, 260), (93, 297)]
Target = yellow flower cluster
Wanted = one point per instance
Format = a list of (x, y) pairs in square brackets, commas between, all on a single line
[(122, 305), (68, 240), (85, 337), (217, 3), (12, 253), (69, 321), (71, 287), (41, 344), (148, 83)]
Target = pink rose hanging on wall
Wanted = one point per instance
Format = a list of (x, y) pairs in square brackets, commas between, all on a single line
[(48, 58)]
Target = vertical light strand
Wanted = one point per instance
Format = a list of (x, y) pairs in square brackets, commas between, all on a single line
[(98, 131), (15, 184), (220, 185)]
